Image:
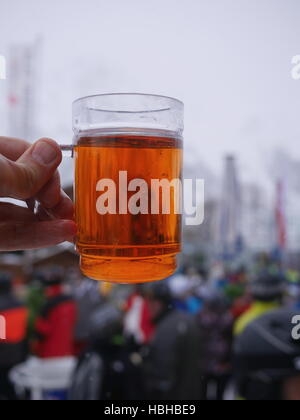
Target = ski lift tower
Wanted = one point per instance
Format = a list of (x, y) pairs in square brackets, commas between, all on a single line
[(231, 241), (23, 79)]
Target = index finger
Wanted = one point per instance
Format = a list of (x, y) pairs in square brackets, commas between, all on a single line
[(13, 148), (53, 198), (51, 195)]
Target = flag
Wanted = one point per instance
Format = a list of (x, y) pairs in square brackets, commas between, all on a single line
[(280, 217)]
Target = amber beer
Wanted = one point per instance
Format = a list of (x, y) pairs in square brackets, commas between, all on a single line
[(126, 248)]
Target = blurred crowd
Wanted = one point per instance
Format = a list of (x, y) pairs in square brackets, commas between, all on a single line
[(222, 334)]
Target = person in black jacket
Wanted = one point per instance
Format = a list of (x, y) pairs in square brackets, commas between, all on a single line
[(266, 358), (14, 316), (172, 367)]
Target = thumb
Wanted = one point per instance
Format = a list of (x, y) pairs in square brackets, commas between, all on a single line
[(24, 178)]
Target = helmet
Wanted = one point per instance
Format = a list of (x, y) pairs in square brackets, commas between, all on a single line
[(180, 286), (268, 285), (265, 355)]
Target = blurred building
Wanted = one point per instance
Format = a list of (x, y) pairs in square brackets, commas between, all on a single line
[(13, 263), (202, 238), (63, 255), (257, 218)]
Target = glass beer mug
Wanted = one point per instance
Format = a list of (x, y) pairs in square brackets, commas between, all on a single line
[(128, 151)]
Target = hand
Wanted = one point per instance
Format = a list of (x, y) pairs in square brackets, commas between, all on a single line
[(29, 173)]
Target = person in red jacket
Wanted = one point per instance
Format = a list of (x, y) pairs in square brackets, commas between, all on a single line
[(13, 325), (137, 321), (56, 323)]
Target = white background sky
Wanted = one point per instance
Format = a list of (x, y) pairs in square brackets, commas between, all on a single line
[(228, 60)]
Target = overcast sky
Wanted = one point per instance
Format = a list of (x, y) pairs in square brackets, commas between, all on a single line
[(228, 60)]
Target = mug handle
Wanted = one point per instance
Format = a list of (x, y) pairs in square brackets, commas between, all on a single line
[(67, 150)]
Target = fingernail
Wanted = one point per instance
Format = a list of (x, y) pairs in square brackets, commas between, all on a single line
[(44, 153)]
